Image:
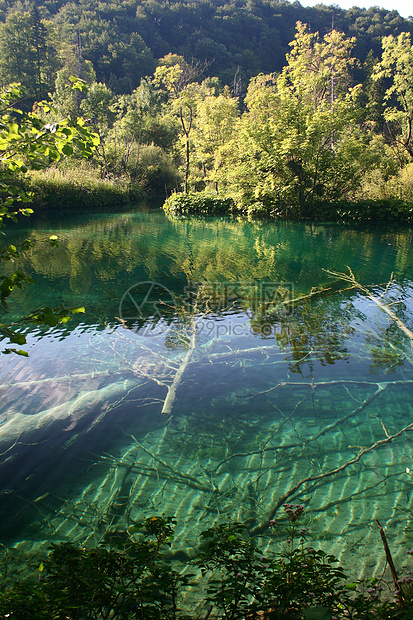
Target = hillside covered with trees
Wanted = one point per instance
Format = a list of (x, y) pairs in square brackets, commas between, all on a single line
[(124, 39)]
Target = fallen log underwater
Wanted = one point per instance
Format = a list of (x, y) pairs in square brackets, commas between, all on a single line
[(87, 403)]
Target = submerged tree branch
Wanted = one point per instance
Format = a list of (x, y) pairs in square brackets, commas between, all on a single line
[(186, 477), (352, 280), (380, 388), (390, 562), (171, 394), (264, 525)]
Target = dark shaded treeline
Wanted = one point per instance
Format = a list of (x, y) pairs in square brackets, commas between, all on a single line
[(123, 39)]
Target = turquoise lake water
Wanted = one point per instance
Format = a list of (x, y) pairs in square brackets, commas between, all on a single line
[(208, 377)]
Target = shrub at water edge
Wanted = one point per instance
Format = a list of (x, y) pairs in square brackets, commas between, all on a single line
[(130, 577)]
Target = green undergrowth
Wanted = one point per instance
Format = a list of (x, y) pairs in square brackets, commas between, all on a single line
[(78, 189), (367, 210), (198, 203), (135, 576)]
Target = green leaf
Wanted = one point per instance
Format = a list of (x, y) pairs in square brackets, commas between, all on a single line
[(67, 131), (17, 338), (17, 351), (67, 149), (351, 586), (13, 129), (55, 155), (50, 320), (20, 352)]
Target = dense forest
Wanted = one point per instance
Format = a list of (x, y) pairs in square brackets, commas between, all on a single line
[(124, 39), (266, 102)]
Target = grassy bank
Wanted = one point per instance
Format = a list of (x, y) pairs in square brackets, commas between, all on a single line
[(78, 189)]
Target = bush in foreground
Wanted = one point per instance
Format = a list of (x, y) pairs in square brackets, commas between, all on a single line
[(133, 580)]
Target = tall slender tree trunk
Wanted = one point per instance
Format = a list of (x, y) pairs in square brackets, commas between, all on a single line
[(187, 130)]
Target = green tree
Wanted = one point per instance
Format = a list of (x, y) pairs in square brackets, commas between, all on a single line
[(65, 100), (97, 107), (143, 138), (39, 48), (373, 95), (97, 104), (178, 79), (214, 128), (15, 57), (300, 127), (127, 62), (28, 52), (397, 64), (318, 70)]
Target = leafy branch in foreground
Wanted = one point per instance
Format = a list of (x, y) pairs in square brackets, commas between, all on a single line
[(26, 141)]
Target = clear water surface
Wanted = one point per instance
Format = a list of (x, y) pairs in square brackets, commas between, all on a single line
[(209, 376)]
